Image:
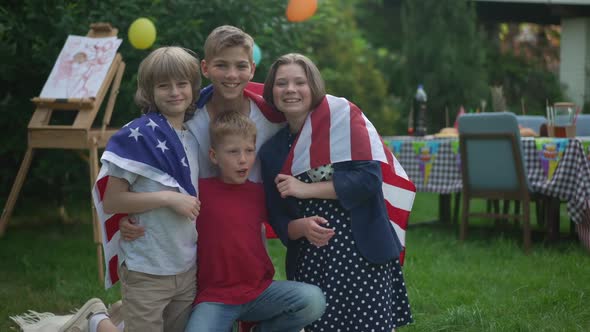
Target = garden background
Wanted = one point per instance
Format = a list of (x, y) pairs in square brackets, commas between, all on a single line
[(375, 53)]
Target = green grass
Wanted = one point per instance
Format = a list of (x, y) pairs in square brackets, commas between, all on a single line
[(486, 283)]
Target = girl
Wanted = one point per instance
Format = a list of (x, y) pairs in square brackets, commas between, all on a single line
[(332, 214)]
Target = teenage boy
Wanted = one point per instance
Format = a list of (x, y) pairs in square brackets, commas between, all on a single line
[(229, 66)]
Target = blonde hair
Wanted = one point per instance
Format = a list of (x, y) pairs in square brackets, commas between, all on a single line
[(231, 123), (227, 36), (163, 64), (312, 73)]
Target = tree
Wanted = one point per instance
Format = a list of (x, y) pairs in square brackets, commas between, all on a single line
[(348, 62), (443, 50)]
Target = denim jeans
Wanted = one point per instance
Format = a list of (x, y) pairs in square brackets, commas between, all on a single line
[(285, 306)]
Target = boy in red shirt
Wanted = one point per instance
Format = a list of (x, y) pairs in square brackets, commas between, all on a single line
[(234, 271)]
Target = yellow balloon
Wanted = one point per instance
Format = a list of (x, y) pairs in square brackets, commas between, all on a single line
[(142, 33)]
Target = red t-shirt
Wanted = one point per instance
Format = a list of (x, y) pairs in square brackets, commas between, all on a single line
[(233, 265)]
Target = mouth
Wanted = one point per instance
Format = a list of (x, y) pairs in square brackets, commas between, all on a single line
[(231, 85), (291, 100), (176, 101), (243, 172)]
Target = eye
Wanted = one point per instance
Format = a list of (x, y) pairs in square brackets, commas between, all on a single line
[(183, 83), (280, 83)]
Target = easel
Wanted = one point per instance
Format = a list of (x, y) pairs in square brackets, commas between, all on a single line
[(78, 136)]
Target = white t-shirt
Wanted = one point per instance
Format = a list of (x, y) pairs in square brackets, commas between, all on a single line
[(169, 246), (199, 126)]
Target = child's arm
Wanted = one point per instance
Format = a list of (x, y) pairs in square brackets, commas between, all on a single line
[(288, 185), (118, 199), (311, 229), (353, 182)]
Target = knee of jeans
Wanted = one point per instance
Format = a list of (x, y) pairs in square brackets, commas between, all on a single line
[(315, 301)]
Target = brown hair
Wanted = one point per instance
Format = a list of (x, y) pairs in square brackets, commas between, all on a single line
[(163, 64), (231, 123), (226, 36), (314, 78)]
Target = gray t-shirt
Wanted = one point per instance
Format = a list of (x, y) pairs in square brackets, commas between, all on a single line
[(169, 246)]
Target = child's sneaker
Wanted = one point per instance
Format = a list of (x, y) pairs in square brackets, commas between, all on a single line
[(79, 322), (115, 313)]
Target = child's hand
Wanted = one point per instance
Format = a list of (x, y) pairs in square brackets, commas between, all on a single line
[(129, 229), (288, 185), (185, 205), (314, 232)]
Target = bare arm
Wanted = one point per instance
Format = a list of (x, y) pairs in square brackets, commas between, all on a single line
[(118, 199), (288, 185), (311, 229)]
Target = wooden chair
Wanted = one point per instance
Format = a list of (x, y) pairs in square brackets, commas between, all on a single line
[(78, 136), (492, 167)]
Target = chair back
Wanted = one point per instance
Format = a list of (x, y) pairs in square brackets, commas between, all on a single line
[(491, 156), (531, 121), (583, 125)]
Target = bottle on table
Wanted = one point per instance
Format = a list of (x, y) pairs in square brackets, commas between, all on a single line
[(420, 111)]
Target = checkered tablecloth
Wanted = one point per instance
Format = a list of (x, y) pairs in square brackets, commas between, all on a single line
[(434, 166)]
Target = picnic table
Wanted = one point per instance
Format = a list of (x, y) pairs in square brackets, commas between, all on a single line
[(555, 167)]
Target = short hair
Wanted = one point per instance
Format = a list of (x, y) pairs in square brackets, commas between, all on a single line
[(314, 78), (231, 123), (163, 64), (227, 36)]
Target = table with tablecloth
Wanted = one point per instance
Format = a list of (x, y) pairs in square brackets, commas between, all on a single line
[(555, 167)]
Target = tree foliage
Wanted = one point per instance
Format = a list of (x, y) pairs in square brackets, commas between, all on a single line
[(349, 63), (443, 50)]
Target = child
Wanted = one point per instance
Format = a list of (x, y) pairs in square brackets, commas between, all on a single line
[(235, 273), (229, 65), (152, 171), (332, 214)]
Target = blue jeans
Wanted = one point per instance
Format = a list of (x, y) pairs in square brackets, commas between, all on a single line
[(285, 306)]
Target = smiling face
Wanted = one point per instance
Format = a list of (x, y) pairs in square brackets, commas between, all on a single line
[(234, 155), (229, 71), (291, 91), (172, 98)]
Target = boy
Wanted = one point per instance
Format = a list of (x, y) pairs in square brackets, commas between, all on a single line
[(229, 65), (235, 273), (151, 169)]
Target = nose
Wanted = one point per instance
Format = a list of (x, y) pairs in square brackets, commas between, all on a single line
[(174, 89), (242, 157), (232, 72), (290, 87)]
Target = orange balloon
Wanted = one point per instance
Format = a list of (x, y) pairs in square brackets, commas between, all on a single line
[(301, 10)]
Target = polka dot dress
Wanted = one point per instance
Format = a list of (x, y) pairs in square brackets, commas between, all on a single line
[(360, 296)]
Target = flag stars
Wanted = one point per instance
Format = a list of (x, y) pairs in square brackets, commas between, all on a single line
[(152, 124), (183, 161), (162, 146), (135, 133)]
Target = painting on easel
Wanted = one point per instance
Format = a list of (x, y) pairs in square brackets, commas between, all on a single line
[(81, 67)]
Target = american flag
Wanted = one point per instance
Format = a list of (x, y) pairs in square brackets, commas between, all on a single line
[(338, 131), (147, 146)]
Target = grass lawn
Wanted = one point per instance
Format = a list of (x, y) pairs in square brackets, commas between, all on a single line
[(483, 284)]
